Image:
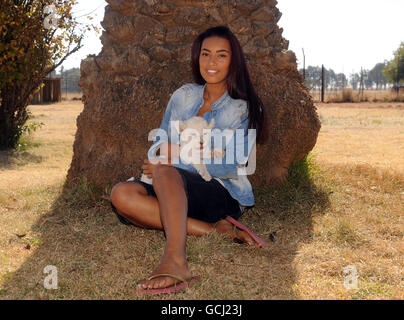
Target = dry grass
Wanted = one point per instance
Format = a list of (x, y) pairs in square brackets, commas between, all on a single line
[(349, 95), (71, 96), (362, 133), (343, 206)]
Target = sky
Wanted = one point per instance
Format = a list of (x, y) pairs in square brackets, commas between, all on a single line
[(344, 35)]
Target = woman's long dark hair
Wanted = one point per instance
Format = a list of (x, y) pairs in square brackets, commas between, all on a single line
[(238, 79)]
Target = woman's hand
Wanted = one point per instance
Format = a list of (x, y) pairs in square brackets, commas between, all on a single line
[(148, 166)]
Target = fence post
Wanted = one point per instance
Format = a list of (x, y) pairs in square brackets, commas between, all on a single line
[(322, 82), (361, 87)]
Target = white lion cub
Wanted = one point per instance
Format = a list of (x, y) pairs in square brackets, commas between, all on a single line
[(190, 150)]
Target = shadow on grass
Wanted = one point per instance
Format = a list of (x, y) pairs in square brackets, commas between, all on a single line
[(287, 214), (99, 258), (21, 155), (9, 159)]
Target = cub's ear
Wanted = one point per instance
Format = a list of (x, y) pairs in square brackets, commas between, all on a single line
[(211, 123)]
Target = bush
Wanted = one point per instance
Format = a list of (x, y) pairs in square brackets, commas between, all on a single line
[(25, 131), (347, 95)]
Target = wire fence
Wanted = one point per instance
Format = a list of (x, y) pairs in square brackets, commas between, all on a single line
[(70, 85), (331, 93)]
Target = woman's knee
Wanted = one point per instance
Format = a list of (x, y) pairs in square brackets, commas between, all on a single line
[(161, 171), (166, 174), (117, 192), (123, 191)]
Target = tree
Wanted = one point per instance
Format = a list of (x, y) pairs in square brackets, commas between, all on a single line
[(367, 80), (36, 36), (354, 80), (394, 70), (330, 78), (376, 75), (341, 80), (313, 77)]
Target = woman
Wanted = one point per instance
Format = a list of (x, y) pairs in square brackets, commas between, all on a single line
[(179, 201)]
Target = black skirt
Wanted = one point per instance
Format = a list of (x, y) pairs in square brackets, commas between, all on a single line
[(208, 201)]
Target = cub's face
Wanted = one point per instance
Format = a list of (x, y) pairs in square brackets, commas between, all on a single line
[(195, 133)]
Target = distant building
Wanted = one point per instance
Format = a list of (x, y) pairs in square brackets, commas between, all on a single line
[(50, 92)]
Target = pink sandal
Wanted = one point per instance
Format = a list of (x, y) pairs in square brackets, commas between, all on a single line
[(183, 284), (244, 228)]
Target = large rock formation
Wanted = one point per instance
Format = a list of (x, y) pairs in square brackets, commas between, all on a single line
[(146, 57)]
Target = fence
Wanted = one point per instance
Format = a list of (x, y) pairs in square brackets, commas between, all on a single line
[(327, 86), (70, 84)]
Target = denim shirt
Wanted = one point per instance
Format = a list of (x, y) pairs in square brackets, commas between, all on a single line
[(228, 113)]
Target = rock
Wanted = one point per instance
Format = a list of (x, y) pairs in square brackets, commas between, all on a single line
[(146, 57)]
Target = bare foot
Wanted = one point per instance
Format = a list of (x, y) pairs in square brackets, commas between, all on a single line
[(170, 266), (226, 228)]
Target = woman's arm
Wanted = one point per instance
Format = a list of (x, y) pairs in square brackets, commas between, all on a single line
[(148, 167)]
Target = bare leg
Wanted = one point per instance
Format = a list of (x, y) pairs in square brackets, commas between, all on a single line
[(169, 188), (133, 203), (168, 212)]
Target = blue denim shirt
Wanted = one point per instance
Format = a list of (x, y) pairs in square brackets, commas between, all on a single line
[(229, 114)]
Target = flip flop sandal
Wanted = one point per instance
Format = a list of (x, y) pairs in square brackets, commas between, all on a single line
[(250, 233), (183, 284)]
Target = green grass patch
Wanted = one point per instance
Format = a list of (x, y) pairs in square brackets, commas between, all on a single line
[(301, 173), (81, 193), (26, 142), (299, 198)]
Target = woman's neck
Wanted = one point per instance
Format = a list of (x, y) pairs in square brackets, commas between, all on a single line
[(214, 91)]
